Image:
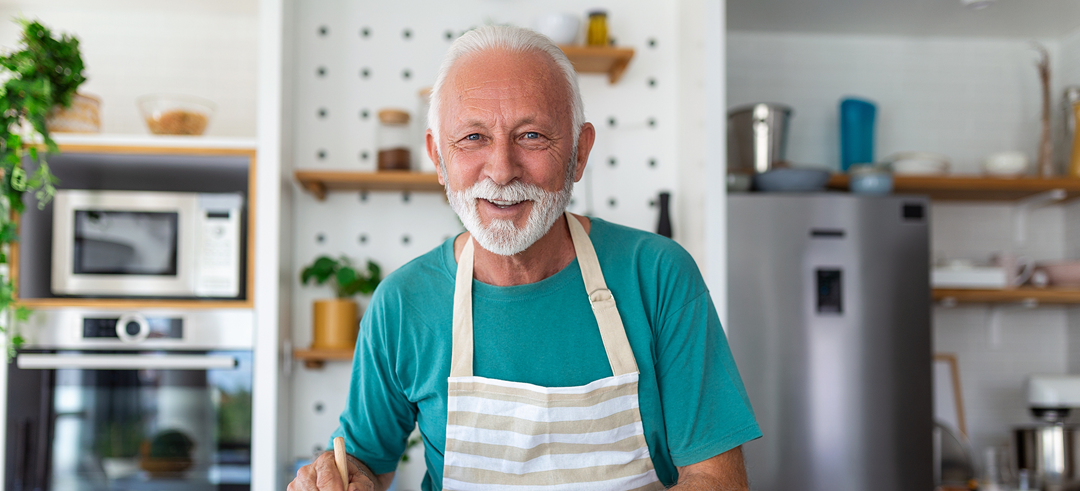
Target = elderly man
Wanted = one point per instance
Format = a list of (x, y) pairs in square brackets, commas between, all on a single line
[(541, 349)]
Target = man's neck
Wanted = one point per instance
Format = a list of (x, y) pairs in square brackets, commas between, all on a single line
[(544, 258)]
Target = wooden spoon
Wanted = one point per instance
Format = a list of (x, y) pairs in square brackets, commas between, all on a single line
[(342, 464)]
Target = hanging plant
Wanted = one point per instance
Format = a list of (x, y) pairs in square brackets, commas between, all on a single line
[(42, 73)]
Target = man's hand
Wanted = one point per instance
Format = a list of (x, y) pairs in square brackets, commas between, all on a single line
[(723, 472), (323, 475)]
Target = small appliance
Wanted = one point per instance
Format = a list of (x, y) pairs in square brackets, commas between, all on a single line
[(146, 244), (1048, 453)]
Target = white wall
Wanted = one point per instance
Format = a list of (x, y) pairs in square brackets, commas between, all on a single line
[(964, 98), (132, 47)]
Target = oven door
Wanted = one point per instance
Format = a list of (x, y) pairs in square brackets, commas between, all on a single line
[(93, 420)]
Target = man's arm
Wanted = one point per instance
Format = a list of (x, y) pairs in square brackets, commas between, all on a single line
[(724, 472)]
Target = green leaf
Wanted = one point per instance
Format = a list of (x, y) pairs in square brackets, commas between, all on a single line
[(345, 278), (22, 313)]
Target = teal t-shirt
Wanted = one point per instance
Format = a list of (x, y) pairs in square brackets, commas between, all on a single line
[(693, 405)]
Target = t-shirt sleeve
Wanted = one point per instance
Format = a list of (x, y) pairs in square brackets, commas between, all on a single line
[(706, 409), (378, 417)]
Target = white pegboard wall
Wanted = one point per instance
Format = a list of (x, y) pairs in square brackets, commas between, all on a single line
[(355, 58)]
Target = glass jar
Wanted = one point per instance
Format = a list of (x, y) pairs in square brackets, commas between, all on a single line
[(393, 139), (597, 33)]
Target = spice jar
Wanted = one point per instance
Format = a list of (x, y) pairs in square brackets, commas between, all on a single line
[(597, 33), (393, 140)]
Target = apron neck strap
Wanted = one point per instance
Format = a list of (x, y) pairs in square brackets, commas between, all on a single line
[(620, 355)]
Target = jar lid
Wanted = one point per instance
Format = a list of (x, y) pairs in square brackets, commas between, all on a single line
[(598, 12), (394, 116)]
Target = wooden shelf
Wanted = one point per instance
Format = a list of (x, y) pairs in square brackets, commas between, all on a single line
[(600, 59), (1033, 296), (315, 358), (319, 182), (132, 303), (974, 188)]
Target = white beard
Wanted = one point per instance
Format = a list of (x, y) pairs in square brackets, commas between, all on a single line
[(502, 236)]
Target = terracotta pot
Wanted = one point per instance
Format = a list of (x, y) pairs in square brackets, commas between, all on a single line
[(335, 324)]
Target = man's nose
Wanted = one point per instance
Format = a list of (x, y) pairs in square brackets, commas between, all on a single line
[(502, 167)]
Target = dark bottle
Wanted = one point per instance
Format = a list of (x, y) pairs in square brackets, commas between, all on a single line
[(663, 227)]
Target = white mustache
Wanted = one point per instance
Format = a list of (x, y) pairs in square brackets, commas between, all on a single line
[(514, 192)]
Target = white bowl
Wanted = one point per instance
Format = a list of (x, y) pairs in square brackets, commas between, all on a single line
[(561, 28), (1005, 164), (919, 163)]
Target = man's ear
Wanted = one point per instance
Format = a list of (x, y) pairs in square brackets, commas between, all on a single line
[(585, 143), (433, 153)]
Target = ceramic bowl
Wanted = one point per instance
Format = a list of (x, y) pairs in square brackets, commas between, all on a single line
[(919, 163), (561, 28), (792, 180), (1005, 164)]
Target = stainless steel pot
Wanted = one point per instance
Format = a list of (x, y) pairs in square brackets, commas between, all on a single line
[(1050, 454), (757, 137)]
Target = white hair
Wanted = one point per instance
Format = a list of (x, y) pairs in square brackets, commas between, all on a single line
[(514, 40)]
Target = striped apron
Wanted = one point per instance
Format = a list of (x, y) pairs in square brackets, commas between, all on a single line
[(504, 435)]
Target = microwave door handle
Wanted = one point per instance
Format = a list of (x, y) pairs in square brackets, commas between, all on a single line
[(40, 361)]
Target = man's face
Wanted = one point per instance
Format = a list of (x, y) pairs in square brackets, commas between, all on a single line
[(507, 142)]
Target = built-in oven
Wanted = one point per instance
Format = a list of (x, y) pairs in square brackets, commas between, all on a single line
[(105, 400)]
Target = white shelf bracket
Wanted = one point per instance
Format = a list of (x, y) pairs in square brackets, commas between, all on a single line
[(1023, 211)]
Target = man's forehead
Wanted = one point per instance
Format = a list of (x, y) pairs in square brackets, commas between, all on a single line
[(498, 74)]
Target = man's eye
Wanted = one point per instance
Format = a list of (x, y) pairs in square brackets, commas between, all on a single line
[(532, 135), (474, 136)]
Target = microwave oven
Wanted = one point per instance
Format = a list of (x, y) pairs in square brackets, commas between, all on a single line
[(146, 244)]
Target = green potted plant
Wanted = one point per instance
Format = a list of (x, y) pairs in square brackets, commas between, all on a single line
[(335, 321), (43, 73)]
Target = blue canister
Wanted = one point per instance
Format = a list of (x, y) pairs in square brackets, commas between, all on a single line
[(856, 132)]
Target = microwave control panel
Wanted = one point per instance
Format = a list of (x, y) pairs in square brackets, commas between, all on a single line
[(217, 271)]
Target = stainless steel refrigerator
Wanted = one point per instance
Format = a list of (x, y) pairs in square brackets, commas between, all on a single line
[(829, 322)]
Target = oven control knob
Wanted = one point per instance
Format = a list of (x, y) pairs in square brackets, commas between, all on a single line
[(132, 328)]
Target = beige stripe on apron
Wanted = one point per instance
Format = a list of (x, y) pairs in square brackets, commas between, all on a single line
[(504, 435)]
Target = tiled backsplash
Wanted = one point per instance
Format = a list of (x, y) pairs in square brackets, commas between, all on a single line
[(964, 98)]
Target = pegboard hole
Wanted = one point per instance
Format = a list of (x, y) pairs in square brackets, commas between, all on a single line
[(449, 35), (611, 122), (652, 82), (407, 34), (364, 114), (405, 197), (652, 162), (363, 196), (365, 72), (319, 407), (365, 32), (364, 155), (652, 203), (323, 112), (320, 238), (406, 74), (405, 239), (321, 71), (363, 238), (321, 154), (652, 42), (323, 31), (611, 161), (611, 202), (317, 449), (652, 122)]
